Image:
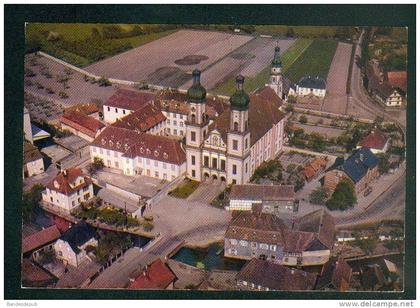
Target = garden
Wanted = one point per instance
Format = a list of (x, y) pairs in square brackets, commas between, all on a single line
[(185, 189)]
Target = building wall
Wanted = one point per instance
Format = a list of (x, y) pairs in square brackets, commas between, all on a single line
[(68, 202), (243, 249), (64, 252), (395, 99), (306, 91), (27, 128), (112, 114), (138, 165), (175, 124), (35, 167)]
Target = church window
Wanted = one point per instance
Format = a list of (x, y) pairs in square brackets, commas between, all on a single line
[(223, 164), (246, 143), (233, 169), (214, 162), (206, 161), (235, 126), (235, 144), (193, 136), (193, 160), (193, 173)]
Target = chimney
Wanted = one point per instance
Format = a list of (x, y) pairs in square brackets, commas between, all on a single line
[(240, 82), (65, 172), (196, 76)]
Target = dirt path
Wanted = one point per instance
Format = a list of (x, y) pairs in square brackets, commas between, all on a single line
[(336, 99)]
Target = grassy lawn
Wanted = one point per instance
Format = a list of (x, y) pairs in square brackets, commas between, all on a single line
[(315, 61), (185, 189), (304, 31), (252, 83), (73, 48)]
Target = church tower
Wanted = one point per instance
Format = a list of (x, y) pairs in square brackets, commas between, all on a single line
[(239, 136), (276, 76), (196, 126)]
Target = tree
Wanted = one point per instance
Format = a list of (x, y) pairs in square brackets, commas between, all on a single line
[(384, 164), (104, 82), (319, 195), (343, 197), (303, 119), (290, 32), (289, 108), (98, 164), (316, 142), (30, 201)]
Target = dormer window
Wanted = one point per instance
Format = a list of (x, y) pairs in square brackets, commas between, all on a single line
[(56, 185), (103, 141), (126, 146), (111, 143), (165, 155), (118, 144), (148, 152), (156, 153), (141, 150)]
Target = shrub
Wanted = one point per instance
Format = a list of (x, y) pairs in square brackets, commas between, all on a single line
[(39, 85), (303, 119), (63, 94), (29, 73), (28, 82), (98, 164), (148, 226), (50, 91), (104, 82)]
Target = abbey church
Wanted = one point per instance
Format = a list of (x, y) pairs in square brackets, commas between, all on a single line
[(246, 134)]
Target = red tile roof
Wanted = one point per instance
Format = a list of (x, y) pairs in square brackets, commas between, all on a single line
[(143, 119), (133, 144), (129, 99), (268, 94), (314, 166), (262, 192), (81, 122), (33, 275), (398, 79), (87, 108), (375, 140), (156, 276), (335, 273), (64, 182), (62, 224), (30, 153), (40, 238)]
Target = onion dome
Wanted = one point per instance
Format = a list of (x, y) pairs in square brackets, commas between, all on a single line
[(276, 60), (239, 100), (196, 93)]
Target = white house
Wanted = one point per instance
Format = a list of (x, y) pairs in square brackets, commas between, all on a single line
[(124, 102), (137, 153), (71, 247), (33, 162), (68, 189), (310, 86)]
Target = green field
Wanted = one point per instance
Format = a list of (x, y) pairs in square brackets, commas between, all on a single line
[(315, 61), (302, 31), (80, 46), (253, 83)]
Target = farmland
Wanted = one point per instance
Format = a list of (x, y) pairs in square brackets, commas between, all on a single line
[(306, 31), (249, 59), (315, 61), (168, 61), (288, 57), (83, 44)]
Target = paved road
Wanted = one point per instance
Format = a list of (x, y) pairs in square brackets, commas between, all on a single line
[(130, 265), (391, 204), (359, 98)]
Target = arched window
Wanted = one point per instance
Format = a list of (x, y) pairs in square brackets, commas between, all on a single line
[(193, 118), (235, 126)]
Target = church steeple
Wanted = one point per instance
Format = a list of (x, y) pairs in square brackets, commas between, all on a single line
[(276, 76)]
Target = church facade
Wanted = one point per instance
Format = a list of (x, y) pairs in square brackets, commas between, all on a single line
[(240, 139)]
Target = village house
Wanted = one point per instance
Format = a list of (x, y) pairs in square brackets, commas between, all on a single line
[(274, 199), (335, 275), (33, 161), (68, 189), (260, 275), (390, 93), (81, 125), (40, 241), (376, 141), (308, 85), (124, 102), (156, 276), (361, 168), (34, 276), (238, 141), (315, 167), (71, 247), (137, 153), (265, 236)]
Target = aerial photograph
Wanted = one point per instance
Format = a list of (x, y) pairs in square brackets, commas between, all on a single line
[(220, 157)]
